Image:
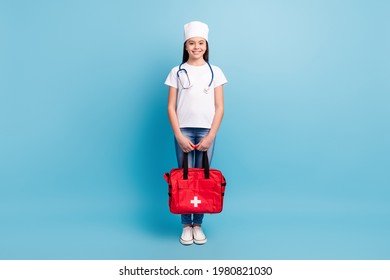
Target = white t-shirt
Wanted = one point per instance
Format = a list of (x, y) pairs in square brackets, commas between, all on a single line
[(195, 107)]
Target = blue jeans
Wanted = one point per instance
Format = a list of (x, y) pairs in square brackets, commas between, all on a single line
[(195, 134)]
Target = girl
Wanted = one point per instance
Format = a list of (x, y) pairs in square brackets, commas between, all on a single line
[(195, 111)]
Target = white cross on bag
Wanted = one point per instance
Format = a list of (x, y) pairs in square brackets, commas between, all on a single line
[(195, 201)]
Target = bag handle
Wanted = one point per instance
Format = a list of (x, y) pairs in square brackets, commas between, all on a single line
[(205, 165)]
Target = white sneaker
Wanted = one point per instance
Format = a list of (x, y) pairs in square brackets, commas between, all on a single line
[(199, 237), (186, 236)]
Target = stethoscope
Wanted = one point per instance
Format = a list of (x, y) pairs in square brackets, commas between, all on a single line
[(188, 85)]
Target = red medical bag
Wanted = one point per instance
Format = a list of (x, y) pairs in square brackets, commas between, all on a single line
[(195, 190)]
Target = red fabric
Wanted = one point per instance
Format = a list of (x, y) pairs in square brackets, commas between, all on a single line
[(195, 195)]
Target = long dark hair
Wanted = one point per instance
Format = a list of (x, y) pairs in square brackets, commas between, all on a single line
[(186, 55)]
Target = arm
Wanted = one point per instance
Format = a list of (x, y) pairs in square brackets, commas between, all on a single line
[(206, 142), (185, 144)]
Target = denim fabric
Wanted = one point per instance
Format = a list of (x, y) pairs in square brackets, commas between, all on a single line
[(195, 134)]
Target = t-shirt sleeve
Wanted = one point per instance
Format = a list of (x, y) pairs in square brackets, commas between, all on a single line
[(172, 79), (219, 77)]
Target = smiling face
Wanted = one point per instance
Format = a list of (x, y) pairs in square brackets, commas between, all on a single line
[(196, 48)]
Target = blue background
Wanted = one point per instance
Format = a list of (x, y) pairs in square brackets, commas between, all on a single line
[(85, 138)]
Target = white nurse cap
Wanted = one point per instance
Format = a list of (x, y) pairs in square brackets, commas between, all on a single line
[(196, 29)]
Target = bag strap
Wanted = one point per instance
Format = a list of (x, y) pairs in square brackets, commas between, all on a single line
[(185, 166), (205, 165)]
